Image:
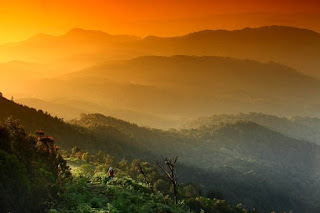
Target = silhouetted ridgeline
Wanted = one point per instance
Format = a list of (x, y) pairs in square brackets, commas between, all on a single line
[(65, 134), (291, 46)]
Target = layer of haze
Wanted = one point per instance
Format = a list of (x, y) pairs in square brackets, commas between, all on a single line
[(144, 17), (92, 71), (118, 69)]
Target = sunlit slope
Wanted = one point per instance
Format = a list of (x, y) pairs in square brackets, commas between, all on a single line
[(183, 87), (245, 161)]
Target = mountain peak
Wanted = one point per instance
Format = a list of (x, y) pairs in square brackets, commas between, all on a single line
[(97, 35), (281, 29), (84, 32)]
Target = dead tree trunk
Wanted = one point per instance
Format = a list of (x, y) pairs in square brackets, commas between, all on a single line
[(170, 169)]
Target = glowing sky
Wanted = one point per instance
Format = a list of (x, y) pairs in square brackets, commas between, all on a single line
[(20, 19)]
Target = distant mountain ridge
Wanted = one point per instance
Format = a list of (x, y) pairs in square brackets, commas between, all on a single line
[(184, 86), (273, 29), (302, 128), (295, 47), (78, 34)]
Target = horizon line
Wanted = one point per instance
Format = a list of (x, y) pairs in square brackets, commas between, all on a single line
[(158, 36)]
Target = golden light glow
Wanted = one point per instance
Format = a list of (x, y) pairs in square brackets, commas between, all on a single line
[(24, 18)]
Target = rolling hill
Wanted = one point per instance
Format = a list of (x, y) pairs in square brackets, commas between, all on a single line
[(241, 160), (301, 128), (65, 134), (299, 48), (173, 88), (244, 161)]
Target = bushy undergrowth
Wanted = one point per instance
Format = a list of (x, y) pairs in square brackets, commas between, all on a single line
[(90, 190), (120, 195)]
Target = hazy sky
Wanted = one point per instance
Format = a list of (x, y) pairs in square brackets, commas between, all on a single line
[(20, 19)]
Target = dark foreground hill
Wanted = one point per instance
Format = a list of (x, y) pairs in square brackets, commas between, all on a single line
[(244, 161), (33, 120), (65, 134)]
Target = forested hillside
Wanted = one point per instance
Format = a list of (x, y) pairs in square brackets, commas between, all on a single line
[(259, 158), (33, 120), (160, 106), (302, 128), (240, 161), (66, 135), (31, 169), (34, 177)]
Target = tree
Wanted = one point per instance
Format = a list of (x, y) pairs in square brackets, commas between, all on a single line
[(169, 167), (39, 133), (75, 150), (85, 157), (109, 160), (87, 170), (5, 139), (145, 170), (100, 157), (31, 169)]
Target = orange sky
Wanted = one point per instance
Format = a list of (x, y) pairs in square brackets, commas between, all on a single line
[(20, 19)]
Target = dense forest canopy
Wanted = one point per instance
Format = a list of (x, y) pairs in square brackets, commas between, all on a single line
[(34, 177), (302, 128), (239, 158)]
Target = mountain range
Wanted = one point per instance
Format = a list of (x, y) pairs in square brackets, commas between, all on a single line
[(78, 48), (271, 69), (164, 91)]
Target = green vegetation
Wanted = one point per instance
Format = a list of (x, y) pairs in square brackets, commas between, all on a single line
[(301, 128), (90, 190), (31, 170), (239, 161), (35, 178), (243, 158)]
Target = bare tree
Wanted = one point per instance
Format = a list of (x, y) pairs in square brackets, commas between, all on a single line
[(169, 167)]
